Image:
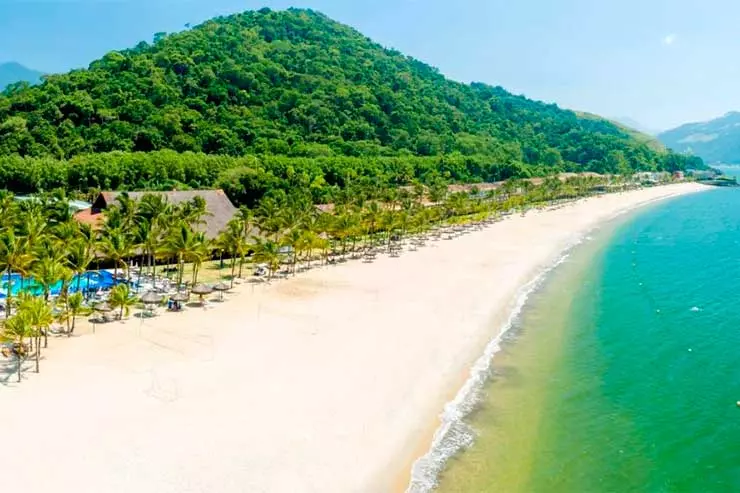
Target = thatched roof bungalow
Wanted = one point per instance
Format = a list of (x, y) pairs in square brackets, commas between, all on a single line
[(219, 209)]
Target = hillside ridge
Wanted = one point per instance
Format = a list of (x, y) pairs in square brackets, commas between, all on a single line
[(297, 84)]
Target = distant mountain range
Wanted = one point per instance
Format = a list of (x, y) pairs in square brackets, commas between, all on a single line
[(12, 72), (634, 124), (716, 141)]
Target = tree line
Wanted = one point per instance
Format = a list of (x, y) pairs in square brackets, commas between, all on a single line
[(43, 249), (248, 179)]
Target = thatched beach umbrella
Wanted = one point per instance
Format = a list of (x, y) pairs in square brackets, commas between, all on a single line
[(202, 290), (103, 307), (152, 298), (180, 296), (221, 287)]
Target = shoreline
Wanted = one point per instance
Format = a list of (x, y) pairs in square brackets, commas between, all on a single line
[(323, 382), (452, 433)]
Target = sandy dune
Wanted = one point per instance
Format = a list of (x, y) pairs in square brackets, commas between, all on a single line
[(327, 382)]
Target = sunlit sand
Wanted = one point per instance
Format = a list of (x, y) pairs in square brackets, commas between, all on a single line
[(327, 382)]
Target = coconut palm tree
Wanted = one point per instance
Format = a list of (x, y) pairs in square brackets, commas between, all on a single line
[(371, 219), (16, 330), (79, 259), (232, 241), (116, 246), (122, 298), (14, 257), (40, 318), (127, 208), (74, 307), (48, 271), (180, 244), (270, 217), (10, 210), (268, 252), (200, 252), (194, 211)]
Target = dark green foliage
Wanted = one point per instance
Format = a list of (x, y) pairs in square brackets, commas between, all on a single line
[(292, 84)]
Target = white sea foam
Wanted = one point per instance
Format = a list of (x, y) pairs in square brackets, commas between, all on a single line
[(454, 434)]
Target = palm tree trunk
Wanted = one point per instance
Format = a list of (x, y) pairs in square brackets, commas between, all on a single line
[(66, 309), (38, 349), (141, 266), (20, 361), (9, 294), (154, 268), (233, 267), (181, 265)]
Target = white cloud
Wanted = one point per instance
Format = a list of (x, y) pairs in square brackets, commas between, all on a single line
[(669, 40)]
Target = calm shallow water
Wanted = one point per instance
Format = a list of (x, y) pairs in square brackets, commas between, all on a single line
[(624, 372)]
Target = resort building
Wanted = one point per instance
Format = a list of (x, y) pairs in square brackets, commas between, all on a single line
[(219, 209)]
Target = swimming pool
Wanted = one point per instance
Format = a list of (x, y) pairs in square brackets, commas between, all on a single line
[(91, 280)]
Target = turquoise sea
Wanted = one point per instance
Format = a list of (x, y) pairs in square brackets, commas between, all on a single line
[(623, 371)]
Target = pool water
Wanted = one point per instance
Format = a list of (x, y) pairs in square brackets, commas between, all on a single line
[(91, 280)]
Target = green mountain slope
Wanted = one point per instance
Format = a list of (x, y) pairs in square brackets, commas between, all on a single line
[(716, 141), (293, 84), (12, 72), (629, 127)]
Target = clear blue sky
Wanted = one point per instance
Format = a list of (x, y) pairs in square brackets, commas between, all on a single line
[(660, 62)]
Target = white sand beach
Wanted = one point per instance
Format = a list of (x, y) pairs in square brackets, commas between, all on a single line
[(331, 381)]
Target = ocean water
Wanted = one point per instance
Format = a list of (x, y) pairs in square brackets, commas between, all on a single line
[(623, 372)]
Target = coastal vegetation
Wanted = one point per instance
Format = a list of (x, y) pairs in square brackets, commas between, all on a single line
[(277, 100), (42, 246)]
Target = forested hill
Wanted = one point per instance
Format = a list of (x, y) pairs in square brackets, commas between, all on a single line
[(295, 83)]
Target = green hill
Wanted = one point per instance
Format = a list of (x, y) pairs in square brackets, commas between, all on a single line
[(716, 141), (630, 128), (299, 85), (12, 72)]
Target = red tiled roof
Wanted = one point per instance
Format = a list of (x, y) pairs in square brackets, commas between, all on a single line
[(90, 216)]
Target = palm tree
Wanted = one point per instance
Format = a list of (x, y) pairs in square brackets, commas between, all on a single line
[(193, 211), (232, 242), (127, 208), (48, 271), (155, 215), (371, 218), (270, 217), (116, 246), (200, 252), (122, 298), (79, 258), (181, 243), (268, 252), (10, 209), (293, 240), (16, 330), (14, 257), (40, 318), (74, 306)]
